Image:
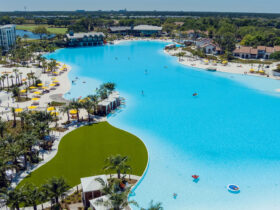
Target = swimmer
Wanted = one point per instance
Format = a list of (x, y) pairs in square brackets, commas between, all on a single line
[(175, 195), (194, 94), (142, 92), (146, 71)]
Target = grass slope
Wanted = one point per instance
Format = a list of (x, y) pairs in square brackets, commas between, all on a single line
[(82, 152), (52, 30)]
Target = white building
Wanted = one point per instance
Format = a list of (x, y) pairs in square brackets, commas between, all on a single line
[(7, 36)]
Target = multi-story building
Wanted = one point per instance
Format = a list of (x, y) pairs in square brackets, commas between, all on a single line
[(7, 37), (85, 39)]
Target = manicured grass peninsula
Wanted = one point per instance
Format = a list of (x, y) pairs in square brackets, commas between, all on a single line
[(82, 152), (51, 29)]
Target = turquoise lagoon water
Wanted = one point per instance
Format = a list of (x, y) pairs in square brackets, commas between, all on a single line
[(229, 134)]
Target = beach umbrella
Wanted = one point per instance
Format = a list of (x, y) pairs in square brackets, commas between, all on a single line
[(35, 99), (206, 61), (23, 91), (54, 113), (73, 111), (55, 72), (37, 92), (32, 87), (224, 62), (252, 70), (261, 71), (32, 107), (18, 110), (51, 108), (56, 81), (40, 84), (53, 78), (45, 88), (52, 85)]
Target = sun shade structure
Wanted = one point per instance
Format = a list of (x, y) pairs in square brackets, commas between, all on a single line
[(40, 84), (225, 62), (32, 107), (45, 88), (54, 113), (54, 78), (52, 85), (56, 81), (18, 110), (23, 91), (32, 87), (35, 99), (51, 108), (73, 111), (37, 92)]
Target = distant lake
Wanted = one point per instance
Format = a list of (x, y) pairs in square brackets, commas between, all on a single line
[(32, 35)]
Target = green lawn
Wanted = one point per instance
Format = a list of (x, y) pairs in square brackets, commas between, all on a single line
[(51, 29), (82, 152)]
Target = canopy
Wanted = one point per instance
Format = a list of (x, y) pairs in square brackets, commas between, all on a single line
[(224, 62), (52, 85), (23, 91), (18, 110), (261, 71), (73, 111), (56, 81), (32, 107), (54, 113), (40, 84), (37, 92), (51, 108), (32, 87), (45, 87), (35, 99)]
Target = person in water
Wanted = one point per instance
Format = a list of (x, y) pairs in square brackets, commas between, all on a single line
[(194, 94), (175, 195), (142, 92)]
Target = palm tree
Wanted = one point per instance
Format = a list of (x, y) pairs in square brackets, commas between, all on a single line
[(117, 163), (13, 197), (3, 127), (4, 165), (31, 194), (152, 206), (116, 199), (88, 105), (14, 152), (7, 77), (14, 114), (75, 104), (94, 99), (65, 109), (16, 93), (57, 188), (12, 79)]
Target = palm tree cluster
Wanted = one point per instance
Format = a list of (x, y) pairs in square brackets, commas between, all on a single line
[(89, 103), (20, 145), (31, 195), (117, 195)]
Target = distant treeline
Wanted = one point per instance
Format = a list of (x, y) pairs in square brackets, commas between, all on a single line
[(141, 13)]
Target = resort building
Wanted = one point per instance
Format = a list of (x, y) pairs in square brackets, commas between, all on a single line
[(109, 104), (261, 52), (7, 37), (91, 188), (208, 46), (140, 30), (85, 39), (122, 30), (147, 30)]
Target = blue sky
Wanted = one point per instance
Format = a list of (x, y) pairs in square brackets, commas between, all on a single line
[(269, 6)]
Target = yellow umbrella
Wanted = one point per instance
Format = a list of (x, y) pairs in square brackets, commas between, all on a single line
[(225, 62), (54, 78), (45, 87), (55, 72), (252, 70), (23, 91), (35, 99), (82, 100), (206, 61), (51, 108), (52, 85), (261, 71), (73, 111), (54, 113), (32, 107), (37, 92), (32, 87), (56, 81), (18, 110), (40, 84)]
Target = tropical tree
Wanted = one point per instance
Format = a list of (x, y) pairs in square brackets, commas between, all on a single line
[(76, 105), (154, 206), (88, 105), (14, 114), (117, 199), (16, 93), (65, 110), (57, 188), (117, 163), (32, 195), (13, 197), (3, 127)]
